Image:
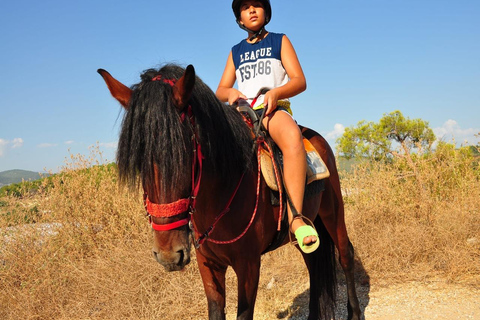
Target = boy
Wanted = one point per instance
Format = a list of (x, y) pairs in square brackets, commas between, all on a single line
[(267, 59)]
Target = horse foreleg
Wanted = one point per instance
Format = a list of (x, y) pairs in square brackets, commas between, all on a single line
[(213, 277), (248, 275)]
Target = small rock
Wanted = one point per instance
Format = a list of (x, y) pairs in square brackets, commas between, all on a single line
[(270, 284), (473, 241)]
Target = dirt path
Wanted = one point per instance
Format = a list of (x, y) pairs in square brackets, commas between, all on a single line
[(406, 301), (285, 295), (415, 300)]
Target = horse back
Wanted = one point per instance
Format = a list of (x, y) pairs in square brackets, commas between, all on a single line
[(323, 149)]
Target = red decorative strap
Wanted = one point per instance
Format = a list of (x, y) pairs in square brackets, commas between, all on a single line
[(169, 209)]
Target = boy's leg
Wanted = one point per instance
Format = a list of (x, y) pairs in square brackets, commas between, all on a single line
[(287, 135)]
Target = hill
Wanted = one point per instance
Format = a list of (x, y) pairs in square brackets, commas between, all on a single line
[(16, 176)]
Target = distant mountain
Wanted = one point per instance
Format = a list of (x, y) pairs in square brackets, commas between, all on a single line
[(16, 176)]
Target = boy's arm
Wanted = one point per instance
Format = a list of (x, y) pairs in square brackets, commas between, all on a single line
[(297, 83), (225, 91)]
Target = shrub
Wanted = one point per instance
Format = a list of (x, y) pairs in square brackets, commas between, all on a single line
[(417, 216)]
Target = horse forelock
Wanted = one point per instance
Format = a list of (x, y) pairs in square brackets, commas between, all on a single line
[(153, 135)]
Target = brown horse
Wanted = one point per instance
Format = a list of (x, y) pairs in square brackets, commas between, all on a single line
[(193, 155)]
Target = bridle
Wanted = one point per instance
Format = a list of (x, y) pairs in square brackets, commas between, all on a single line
[(184, 205), (181, 206)]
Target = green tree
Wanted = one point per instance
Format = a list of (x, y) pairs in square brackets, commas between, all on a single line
[(393, 135)]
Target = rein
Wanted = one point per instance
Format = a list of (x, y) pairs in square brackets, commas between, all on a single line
[(260, 140)]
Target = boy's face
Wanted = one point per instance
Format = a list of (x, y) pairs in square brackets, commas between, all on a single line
[(252, 14)]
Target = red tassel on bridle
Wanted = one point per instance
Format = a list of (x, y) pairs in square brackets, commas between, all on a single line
[(167, 81)]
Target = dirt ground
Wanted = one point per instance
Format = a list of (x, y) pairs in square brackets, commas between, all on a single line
[(406, 301), (283, 295), (416, 300), (435, 298)]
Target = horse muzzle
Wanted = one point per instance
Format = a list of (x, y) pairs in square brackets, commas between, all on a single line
[(173, 261)]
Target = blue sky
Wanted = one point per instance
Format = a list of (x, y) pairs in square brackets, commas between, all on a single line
[(362, 58)]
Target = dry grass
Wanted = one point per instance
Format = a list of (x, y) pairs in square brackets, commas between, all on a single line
[(417, 217), (80, 247)]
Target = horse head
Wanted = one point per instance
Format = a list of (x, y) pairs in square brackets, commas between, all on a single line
[(150, 151)]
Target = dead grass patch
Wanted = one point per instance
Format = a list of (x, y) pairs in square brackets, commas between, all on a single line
[(409, 220)]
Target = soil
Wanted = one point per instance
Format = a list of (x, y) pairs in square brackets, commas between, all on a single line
[(416, 300), (407, 301), (285, 295)]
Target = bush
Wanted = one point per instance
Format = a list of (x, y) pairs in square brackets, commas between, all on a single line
[(56, 244), (418, 215)]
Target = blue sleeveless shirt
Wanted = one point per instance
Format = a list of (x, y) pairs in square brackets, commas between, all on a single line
[(259, 65)]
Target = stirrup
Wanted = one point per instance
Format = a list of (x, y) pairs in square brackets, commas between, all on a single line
[(302, 232)]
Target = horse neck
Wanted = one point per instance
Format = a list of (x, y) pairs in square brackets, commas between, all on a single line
[(215, 191), (228, 223)]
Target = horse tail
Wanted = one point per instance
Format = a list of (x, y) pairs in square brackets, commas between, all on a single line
[(323, 277)]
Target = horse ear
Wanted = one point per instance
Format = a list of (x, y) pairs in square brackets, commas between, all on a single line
[(182, 90), (118, 90)]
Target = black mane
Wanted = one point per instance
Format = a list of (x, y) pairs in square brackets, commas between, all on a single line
[(153, 134)]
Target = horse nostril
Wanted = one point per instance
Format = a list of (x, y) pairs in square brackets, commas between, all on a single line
[(180, 258)]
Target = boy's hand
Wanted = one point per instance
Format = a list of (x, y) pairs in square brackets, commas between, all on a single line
[(270, 101), (234, 95)]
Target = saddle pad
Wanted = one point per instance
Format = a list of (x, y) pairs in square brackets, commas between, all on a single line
[(316, 168)]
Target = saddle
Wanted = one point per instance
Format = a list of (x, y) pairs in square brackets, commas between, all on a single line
[(316, 168)]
